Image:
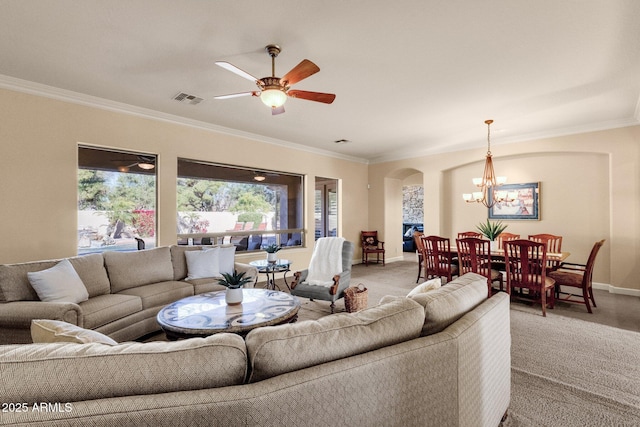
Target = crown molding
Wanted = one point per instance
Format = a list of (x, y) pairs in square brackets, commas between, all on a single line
[(38, 89), (554, 133)]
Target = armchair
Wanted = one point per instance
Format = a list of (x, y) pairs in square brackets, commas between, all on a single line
[(301, 287)]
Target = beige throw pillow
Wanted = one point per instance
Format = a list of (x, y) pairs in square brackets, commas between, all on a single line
[(59, 283), (427, 286), (48, 331)]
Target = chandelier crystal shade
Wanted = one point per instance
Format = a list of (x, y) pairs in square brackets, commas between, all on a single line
[(489, 181)]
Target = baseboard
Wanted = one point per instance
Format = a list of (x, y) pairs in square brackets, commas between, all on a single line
[(373, 261), (616, 290)]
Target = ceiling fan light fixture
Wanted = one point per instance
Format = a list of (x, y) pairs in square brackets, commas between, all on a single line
[(146, 166), (259, 177), (273, 98)]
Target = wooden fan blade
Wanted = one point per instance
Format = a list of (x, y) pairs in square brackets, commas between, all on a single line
[(277, 110), (236, 70), (327, 98), (236, 95), (301, 71)]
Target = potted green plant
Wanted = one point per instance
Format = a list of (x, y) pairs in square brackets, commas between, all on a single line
[(271, 252), (234, 283), (491, 230)]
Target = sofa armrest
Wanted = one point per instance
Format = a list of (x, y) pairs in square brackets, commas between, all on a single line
[(18, 314), (249, 270), (16, 317)]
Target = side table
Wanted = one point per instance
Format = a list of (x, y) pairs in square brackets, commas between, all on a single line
[(271, 268)]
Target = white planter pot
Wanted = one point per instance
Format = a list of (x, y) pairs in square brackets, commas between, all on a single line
[(272, 257), (233, 296), (494, 246)]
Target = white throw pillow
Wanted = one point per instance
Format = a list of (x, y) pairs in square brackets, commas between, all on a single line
[(59, 283), (47, 331), (227, 259), (203, 264), (427, 286)]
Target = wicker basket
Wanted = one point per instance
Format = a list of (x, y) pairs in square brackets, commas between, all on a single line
[(355, 298)]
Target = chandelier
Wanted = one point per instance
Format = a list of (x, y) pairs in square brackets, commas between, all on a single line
[(489, 181)]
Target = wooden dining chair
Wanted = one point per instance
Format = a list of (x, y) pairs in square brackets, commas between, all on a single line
[(417, 238), (503, 237), (526, 270), (465, 234), (474, 255), (572, 275), (437, 258), (554, 245)]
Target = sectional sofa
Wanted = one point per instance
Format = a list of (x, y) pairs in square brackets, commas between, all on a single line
[(124, 290), (440, 358)]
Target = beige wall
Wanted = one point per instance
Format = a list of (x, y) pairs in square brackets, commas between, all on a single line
[(38, 172), (589, 182), (590, 190)]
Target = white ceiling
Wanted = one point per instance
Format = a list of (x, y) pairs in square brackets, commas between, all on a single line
[(411, 77)]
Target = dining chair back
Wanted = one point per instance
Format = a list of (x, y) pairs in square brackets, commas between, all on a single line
[(526, 262), (474, 255), (505, 237), (417, 238), (572, 275), (437, 258), (554, 245), (465, 234)]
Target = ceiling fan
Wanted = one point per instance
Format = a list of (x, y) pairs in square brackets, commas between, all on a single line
[(144, 162), (273, 91)]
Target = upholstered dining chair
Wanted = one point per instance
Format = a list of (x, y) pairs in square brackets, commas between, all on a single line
[(474, 255), (371, 245), (572, 275), (526, 270), (554, 245), (417, 237), (306, 284), (437, 258)]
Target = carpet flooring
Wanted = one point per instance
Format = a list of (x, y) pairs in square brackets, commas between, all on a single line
[(566, 371)]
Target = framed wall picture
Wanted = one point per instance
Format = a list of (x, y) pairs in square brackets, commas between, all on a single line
[(525, 204)]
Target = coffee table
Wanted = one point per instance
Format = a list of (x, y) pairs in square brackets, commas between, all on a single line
[(206, 314)]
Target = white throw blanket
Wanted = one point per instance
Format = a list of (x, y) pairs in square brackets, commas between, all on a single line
[(326, 261)]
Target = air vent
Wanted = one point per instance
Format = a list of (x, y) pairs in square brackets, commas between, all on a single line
[(187, 99)]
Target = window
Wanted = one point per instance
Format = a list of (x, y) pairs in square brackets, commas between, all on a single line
[(326, 207), (231, 204), (116, 200)]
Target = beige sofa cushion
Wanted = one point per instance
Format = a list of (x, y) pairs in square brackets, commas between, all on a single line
[(160, 294), (447, 304), (103, 309), (65, 372), (91, 270), (276, 350), (47, 331), (131, 269), (15, 286)]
